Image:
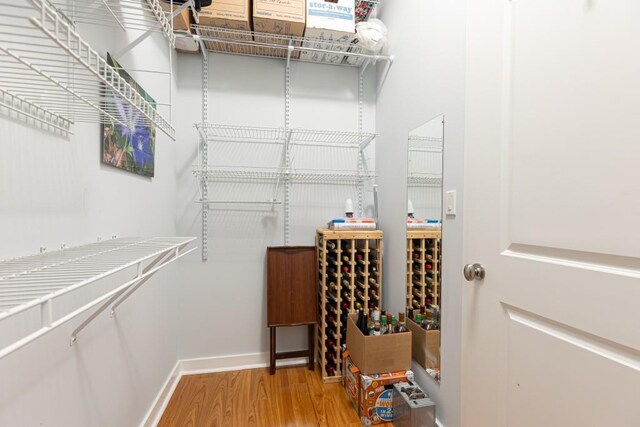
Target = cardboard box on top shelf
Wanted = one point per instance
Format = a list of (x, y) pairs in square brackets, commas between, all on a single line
[(425, 345), (331, 25), (180, 22), (376, 396), (221, 20), (374, 354), (281, 18), (351, 380)]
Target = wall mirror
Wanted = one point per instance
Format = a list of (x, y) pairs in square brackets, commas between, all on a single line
[(424, 237)]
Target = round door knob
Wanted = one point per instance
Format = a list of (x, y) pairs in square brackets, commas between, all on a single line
[(473, 272)]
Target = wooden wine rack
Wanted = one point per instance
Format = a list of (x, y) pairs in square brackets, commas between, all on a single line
[(353, 287), (420, 281)]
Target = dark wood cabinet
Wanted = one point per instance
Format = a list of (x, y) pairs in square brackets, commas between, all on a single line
[(291, 296), (291, 286)]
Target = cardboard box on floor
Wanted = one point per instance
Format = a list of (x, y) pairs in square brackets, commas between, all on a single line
[(374, 354), (182, 20), (226, 16), (371, 395), (282, 18), (425, 345), (376, 396), (331, 25), (351, 380)]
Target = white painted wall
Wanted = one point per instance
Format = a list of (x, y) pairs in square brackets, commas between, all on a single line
[(223, 309), (427, 38), (55, 190)]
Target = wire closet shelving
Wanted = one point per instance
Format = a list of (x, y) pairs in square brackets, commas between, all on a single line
[(38, 282), (342, 52), (52, 76)]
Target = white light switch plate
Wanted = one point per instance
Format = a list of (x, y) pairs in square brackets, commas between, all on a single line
[(450, 203)]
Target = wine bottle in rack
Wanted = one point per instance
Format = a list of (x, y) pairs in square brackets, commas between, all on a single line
[(373, 281), (330, 369), (331, 320), (331, 245), (333, 286), (428, 266), (373, 294), (330, 343), (346, 283), (428, 299), (346, 296), (428, 257), (416, 255), (330, 335), (357, 305), (415, 303), (359, 294), (416, 292), (331, 310), (331, 298), (360, 284), (346, 269), (346, 258), (359, 256)]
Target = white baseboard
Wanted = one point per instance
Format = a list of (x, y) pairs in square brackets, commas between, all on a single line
[(207, 365), (162, 399)]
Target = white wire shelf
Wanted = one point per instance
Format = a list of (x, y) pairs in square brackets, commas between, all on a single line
[(304, 49), (37, 281), (137, 15), (239, 134), (303, 176), (51, 75), (424, 180)]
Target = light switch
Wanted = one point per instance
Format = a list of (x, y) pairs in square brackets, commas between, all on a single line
[(450, 203)]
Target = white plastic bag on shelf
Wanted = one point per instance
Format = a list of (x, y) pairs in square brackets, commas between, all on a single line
[(372, 35)]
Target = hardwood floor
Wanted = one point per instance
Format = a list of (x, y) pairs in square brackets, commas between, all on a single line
[(292, 397)]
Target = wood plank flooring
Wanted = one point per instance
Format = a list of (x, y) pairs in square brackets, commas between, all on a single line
[(293, 397)]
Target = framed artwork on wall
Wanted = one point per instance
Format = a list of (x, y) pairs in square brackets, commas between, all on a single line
[(130, 142)]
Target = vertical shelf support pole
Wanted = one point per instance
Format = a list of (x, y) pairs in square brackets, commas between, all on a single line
[(287, 125), (361, 159), (205, 154)]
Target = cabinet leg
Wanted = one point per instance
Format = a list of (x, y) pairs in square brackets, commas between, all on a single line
[(310, 344), (272, 352)]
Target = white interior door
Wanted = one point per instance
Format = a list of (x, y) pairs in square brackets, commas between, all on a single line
[(551, 336)]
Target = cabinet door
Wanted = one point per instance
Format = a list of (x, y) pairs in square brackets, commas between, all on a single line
[(291, 285)]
